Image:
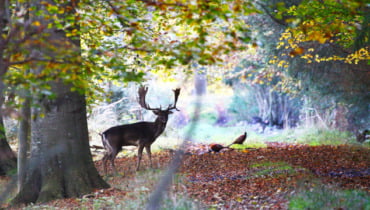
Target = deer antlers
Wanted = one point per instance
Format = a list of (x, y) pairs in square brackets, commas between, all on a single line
[(142, 94)]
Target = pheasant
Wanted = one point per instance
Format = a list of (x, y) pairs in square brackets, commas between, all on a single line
[(240, 139), (361, 137), (219, 147)]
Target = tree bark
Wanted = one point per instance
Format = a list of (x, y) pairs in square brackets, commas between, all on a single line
[(23, 141)]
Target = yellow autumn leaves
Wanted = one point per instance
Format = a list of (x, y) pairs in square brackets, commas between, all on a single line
[(293, 39)]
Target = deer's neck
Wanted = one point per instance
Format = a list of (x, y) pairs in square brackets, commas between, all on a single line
[(159, 127)]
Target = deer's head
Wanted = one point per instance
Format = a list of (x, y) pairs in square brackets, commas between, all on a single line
[(161, 113)]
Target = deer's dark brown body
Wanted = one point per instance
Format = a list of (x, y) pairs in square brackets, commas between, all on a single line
[(134, 134), (140, 134)]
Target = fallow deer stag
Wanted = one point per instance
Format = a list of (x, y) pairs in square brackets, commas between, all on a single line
[(140, 134)]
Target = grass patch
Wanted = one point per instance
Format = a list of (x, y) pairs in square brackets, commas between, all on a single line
[(269, 164), (314, 136), (275, 171), (249, 144), (140, 188), (272, 169), (324, 197)]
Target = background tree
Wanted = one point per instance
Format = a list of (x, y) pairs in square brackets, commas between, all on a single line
[(7, 157), (327, 51), (324, 66), (23, 141)]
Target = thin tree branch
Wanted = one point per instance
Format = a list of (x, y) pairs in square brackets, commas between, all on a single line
[(156, 3), (120, 18), (281, 22), (42, 60)]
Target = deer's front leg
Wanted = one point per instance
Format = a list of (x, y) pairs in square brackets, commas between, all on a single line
[(139, 155), (147, 148)]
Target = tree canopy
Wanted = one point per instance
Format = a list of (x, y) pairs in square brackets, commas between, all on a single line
[(51, 49)]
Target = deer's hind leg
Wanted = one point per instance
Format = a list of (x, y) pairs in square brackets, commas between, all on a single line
[(105, 159), (139, 156), (112, 157), (147, 149)]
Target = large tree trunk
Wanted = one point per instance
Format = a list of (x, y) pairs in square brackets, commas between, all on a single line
[(61, 164), (8, 160)]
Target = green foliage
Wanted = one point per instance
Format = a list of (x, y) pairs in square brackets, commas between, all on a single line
[(318, 50), (327, 21), (322, 197), (349, 12), (309, 42), (116, 41), (164, 34)]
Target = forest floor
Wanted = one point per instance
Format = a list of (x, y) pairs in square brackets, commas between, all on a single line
[(235, 179)]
